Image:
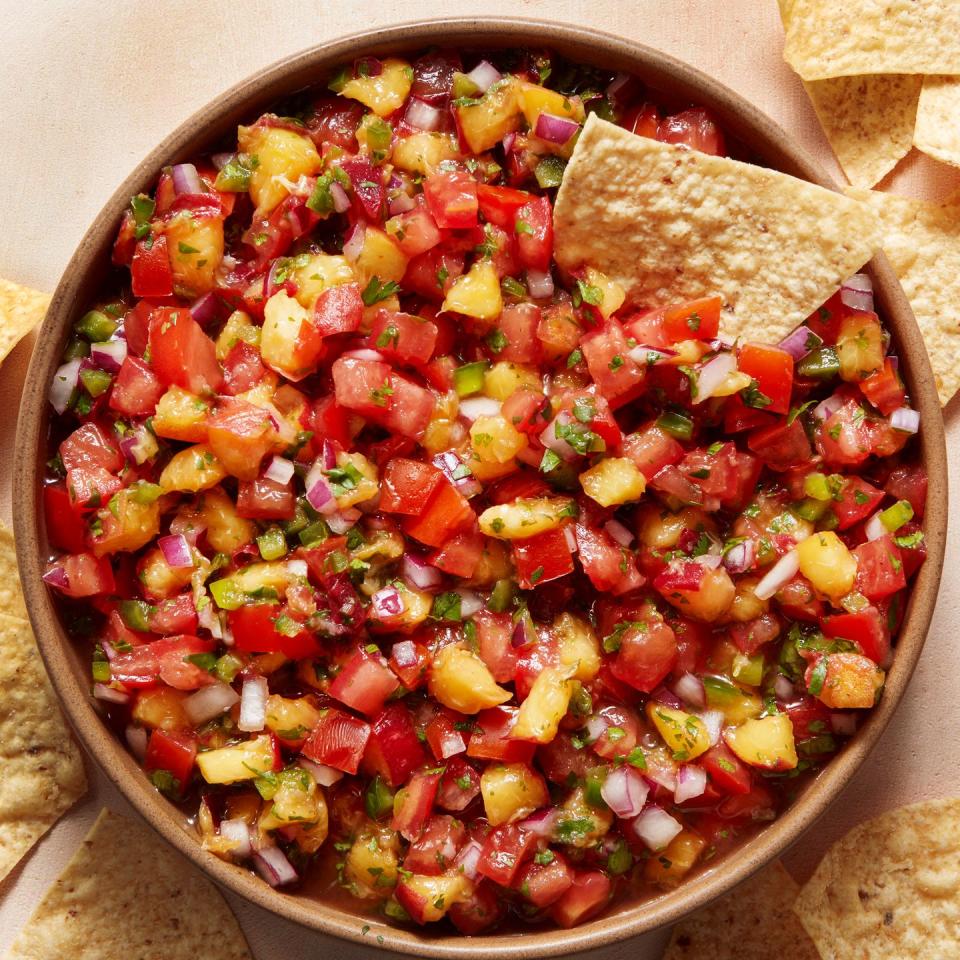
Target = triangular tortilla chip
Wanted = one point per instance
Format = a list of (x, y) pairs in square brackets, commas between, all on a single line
[(827, 38), (668, 224), (21, 309), (126, 894), (922, 242), (752, 922), (938, 119), (889, 889), (41, 768), (869, 121)]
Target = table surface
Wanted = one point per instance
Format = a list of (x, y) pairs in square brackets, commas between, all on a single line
[(88, 88)]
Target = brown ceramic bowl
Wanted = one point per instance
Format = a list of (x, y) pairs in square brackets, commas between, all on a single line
[(80, 284)]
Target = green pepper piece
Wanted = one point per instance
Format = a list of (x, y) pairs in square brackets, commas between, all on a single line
[(468, 379), (822, 364), (96, 326), (136, 614), (549, 172), (76, 349), (501, 597), (676, 424), (378, 798), (272, 544), (95, 381), (227, 667)]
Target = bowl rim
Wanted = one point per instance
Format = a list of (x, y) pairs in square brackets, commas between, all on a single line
[(83, 275)]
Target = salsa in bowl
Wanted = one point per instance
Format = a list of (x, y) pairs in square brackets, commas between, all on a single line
[(399, 554)]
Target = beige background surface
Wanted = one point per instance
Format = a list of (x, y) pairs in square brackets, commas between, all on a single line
[(88, 87)]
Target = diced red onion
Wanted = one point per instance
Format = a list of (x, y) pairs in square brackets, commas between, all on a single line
[(874, 528), (271, 863), (664, 777), (656, 828), (56, 577), (103, 691), (713, 374), (844, 724), (110, 650), (484, 75), (691, 783), (625, 791), (452, 466), (469, 859), (689, 689), (324, 775), (341, 202), (523, 633), (596, 727), (253, 704), (646, 355), (470, 602), (713, 720), (220, 160), (451, 743), (109, 355), (617, 84), (541, 823), (63, 384), (783, 688), (905, 419), (619, 532), (798, 343), (710, 561), (364, 353), (176, 551), (667, 697), (571, 538), (208, 702), (555, 129), (827, 408), (297, 567), (780, 574), (319, 494), (404, 654), (207, 309), (474, 407), (552, 442), (540, 284), (280, 470), (509, 140), (857, 292), (136, 738), (422, 116), (740, 557), (369, 67), (237, 831), (210, 621), (400, 203), (343, 520), (353, 245), (418, 573), (186, 179), (388, 603)]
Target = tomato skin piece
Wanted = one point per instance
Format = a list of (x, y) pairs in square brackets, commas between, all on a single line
[(542, 558), (868, 629), (66, 529), (880, 570), (150, 271), (587, 895), (338, 740), (174, 751), (772, 368), (446, 513), (393, 750), (338, 309), (254, 631), (369, 195), (181, 354), (884, 389), (364, 682), (136, 389), (737, 416)]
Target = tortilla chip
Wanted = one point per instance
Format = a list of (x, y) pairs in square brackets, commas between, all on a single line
[(938, 119), (890, 888), (11, 596), (923, 243), (41, 768), (669, 224), (21, 309), (126, 893), (753, 922), (869, 121), (825, 38)]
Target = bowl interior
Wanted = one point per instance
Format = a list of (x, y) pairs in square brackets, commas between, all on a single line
[(87, 271)]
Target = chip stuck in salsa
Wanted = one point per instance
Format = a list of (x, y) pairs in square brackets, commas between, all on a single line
[(401, 548)]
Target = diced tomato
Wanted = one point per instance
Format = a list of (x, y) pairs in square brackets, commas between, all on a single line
[(909, 483), (542, 558), (614, 372), (136, 389), (693, 128), (772, 369), (843, 439), (519, 485), (403, 338), (414, 804), (334, 120), (240, 435), (489, 739), (329, 421), (647, 653), (434, 850), (726, 771), (265, 499), (268, 628), (452, 199), (884, 388), (737, 416), (519, 323), (588, 894), (363, 385), (81, 575), (484, 908), (406, 486), (781, 445), (443, 738), (431, 273), (533, 226), (504, 850), (808, 717), (65, 528), (366, 183), (91, 487), (749, 636), (150, 272), (447, 512), (460, 555), (364, 682), (243, 368), (415, 231), (499, 205), (856, 501), (543, 884), (167, 660), (411, 408), (394, 750), (338, 740), (174, 615), (798, 600), (879, 568), (652, 449), (459, 785), (693, 320), (825, 320), (409, 661), (181, 353), (339, 309), (867, 628), (609, 566), (173, 751), (91, 446), (494, 642)]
